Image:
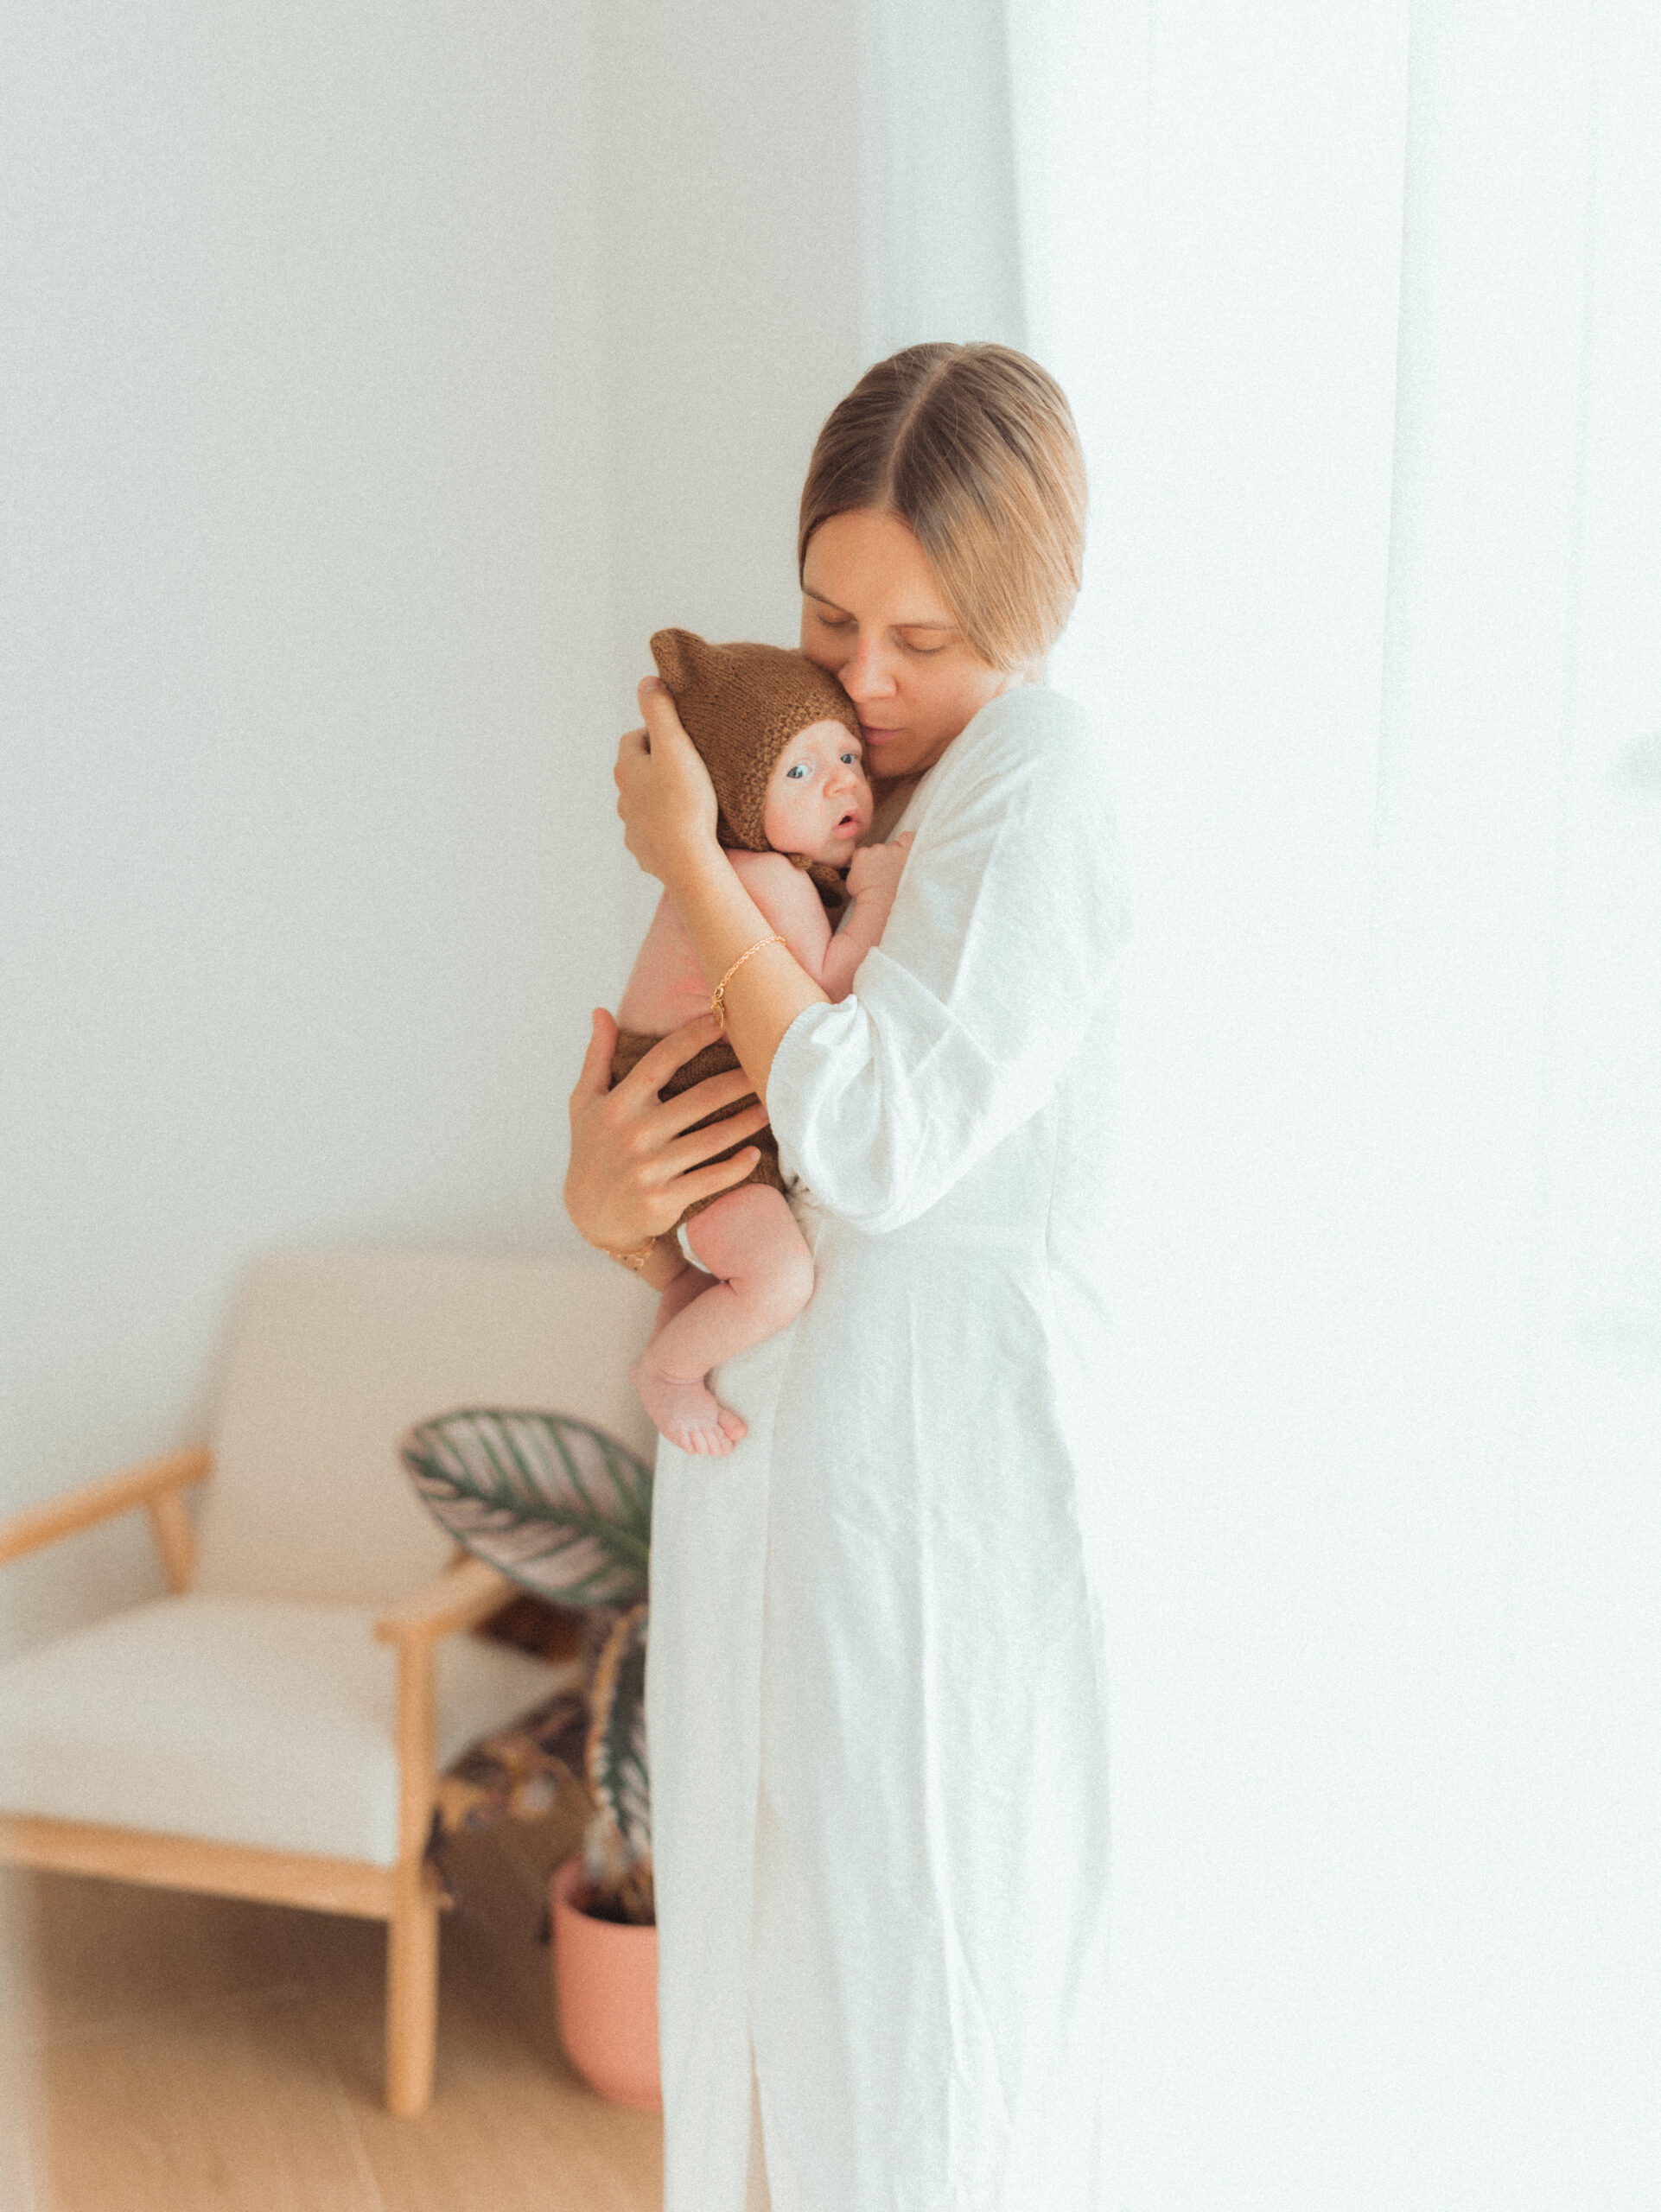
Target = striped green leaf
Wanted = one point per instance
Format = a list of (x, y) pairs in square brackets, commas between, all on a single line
[(559, 1506)]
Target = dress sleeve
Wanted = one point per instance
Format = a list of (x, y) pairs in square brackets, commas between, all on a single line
[(1002, 938)]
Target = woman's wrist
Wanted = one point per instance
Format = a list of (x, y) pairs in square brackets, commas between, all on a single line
[(631, 1256), (667, 1261), (656, 1259), (692, 863)]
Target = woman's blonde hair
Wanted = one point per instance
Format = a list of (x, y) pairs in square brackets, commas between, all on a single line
[(974, 449)]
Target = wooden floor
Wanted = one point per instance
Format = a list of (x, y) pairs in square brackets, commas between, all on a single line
[(162, 2052)]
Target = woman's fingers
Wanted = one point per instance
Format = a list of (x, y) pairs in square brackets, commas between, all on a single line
[(709, 1182), (662, 721), (653, 1068), (675, 1116), (664, 798), (677, 774), (595, 1079), (713, 1095), (699, 1145), (636, 1161)]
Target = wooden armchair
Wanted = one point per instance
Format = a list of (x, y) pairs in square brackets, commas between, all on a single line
[(275, 1727)]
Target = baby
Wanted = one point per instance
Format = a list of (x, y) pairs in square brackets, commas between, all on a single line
[(781, 741)]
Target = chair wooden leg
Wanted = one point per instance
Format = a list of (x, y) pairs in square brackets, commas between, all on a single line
[(412, 1993)]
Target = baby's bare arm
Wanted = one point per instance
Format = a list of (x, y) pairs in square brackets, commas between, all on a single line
[(789, 903), (873, 879)]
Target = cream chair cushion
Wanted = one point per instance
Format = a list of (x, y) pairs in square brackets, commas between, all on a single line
[(241, 1719), (259, 1709), (333, 1354)]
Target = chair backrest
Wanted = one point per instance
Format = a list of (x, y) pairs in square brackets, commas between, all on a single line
[(333, 1354)]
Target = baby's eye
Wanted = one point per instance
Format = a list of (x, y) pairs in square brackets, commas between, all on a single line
[(794, 775), (852, 759)]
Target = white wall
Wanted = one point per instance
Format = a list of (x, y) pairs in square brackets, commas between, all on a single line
[(728, 174), (376, 380), (308, 615)]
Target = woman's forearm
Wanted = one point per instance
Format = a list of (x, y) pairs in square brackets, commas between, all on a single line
[(723, 921)]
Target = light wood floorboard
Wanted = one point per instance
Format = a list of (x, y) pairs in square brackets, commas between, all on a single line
[(163, 2052)]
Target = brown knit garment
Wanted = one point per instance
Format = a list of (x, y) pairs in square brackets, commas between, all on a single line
[(740, 705), (718, 1058)]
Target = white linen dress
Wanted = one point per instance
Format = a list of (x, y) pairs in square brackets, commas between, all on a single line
[(876, 1703)]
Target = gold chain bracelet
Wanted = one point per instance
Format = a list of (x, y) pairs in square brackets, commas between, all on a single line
[(632, 1261), (717, 997)]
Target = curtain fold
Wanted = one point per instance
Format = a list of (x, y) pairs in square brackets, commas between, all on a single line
[(1359, 311), (939, 249)]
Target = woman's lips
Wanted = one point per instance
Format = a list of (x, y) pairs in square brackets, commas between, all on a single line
[(875, 733)]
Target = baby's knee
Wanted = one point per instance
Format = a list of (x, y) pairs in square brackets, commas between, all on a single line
[(748, 1238), (776, 1293), (795, 1275)]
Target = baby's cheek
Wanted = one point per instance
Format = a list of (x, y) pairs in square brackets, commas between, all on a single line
[(779, 819)]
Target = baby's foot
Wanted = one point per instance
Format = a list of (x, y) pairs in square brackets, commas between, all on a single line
[(686, 1412)]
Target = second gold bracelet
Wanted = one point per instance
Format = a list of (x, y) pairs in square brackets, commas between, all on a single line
[(718, 996)]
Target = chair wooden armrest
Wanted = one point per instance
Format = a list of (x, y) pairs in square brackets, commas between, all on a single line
[(465, 1594), (154, 1483)]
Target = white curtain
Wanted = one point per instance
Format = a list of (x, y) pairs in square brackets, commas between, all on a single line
[(1360, 311)]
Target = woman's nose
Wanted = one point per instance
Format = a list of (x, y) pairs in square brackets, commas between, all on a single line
[(868, 673)]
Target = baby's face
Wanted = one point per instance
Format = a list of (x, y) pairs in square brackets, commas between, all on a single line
[(819, 803)]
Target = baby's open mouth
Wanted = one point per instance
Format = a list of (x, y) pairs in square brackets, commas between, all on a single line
[(848, 826)]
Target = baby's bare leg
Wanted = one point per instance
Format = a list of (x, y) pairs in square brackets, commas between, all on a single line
[(691, 1282), (749, 1240)]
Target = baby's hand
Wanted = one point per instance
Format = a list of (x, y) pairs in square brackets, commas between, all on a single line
[(874, 873)]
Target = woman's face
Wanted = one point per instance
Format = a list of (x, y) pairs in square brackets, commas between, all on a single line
[(873, 615)]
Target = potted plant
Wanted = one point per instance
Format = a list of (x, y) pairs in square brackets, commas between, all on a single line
[(564, 1510)]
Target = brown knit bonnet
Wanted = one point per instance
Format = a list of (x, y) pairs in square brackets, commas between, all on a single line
[(740, 705)]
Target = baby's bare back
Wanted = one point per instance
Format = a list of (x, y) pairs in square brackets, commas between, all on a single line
[(665, 986)]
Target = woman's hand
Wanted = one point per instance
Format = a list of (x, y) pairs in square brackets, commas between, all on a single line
[(664, 798), (634, 1169)]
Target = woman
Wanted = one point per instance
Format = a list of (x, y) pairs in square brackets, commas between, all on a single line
[(877, 1708)]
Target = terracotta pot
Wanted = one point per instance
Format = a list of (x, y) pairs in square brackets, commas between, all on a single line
[(606, 1994)]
